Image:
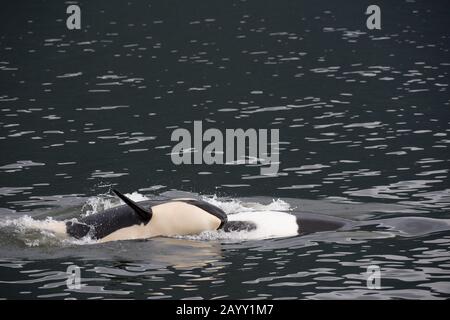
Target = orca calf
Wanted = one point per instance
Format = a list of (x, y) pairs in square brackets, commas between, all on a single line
[(141, 220)]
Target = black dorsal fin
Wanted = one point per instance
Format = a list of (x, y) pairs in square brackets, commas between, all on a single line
[(145, 215)]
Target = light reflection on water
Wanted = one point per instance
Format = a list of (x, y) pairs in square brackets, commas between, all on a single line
[(412, 253), (183, 269), (363, 119)]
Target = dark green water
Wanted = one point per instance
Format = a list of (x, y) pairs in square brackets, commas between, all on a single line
[(363, 117)]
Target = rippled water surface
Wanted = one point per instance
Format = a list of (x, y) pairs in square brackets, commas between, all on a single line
[(364, 137)]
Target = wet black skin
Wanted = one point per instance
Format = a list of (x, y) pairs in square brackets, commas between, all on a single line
[(312, 222)]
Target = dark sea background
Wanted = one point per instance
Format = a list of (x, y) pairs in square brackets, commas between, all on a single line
[(364, 135)]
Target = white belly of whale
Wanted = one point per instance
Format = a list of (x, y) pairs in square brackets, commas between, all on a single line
[(177, 218), (269, 224)]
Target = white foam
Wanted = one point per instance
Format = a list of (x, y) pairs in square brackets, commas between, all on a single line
[(27, 222), (35, 233), (106, 201), (236, 206)]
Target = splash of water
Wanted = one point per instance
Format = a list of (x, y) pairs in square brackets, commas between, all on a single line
[(106, 201), (236, 206)]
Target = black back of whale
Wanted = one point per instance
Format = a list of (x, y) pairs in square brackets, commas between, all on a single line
[(101, 224), (313, 222), (306, 222)]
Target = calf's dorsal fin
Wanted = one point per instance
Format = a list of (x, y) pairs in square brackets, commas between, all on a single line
[(144, 215)]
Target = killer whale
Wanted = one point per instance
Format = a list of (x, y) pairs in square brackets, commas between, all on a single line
[(169, 217), (141, 220)]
